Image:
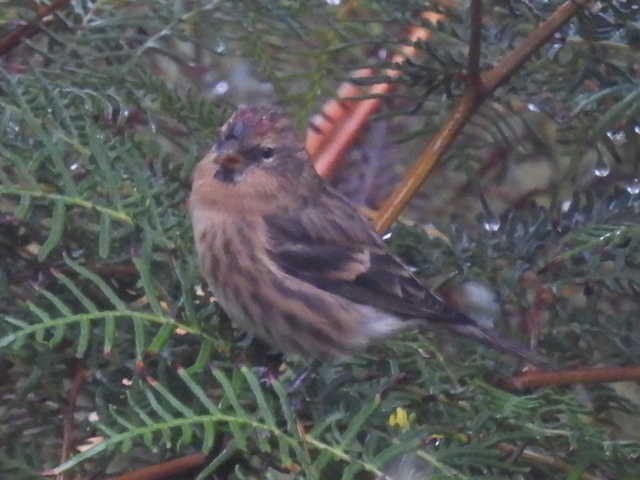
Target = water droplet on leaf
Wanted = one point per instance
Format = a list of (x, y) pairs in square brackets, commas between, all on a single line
[(220, 47), (601, 169), (633, 187), (221, 87), (491, 223), (617, 137)]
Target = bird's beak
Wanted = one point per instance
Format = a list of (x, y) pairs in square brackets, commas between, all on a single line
[(226, 154), (230, 145), (225, 148)]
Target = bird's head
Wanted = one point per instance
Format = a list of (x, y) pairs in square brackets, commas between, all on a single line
[(257, 157)]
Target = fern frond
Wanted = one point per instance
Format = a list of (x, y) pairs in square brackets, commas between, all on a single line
[(57, 325), (173, 414)]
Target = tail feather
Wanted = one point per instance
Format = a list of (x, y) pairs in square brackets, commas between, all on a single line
[(469, 328)]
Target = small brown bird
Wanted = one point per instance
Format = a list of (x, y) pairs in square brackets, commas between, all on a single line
[(292, 260)]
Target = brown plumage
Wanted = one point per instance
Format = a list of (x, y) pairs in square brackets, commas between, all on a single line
[(293, 261)]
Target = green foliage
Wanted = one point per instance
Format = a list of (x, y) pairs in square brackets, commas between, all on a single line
[(105, 112)]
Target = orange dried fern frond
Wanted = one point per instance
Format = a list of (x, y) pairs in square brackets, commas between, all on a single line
[(341, 121)]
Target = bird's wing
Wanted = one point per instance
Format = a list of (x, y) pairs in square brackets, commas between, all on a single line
[(364, 275), (333, 248)]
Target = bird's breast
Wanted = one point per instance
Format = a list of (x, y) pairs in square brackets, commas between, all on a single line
[(229, 251), (286, 311)]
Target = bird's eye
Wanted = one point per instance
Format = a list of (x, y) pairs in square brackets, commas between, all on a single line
[(267, 153)]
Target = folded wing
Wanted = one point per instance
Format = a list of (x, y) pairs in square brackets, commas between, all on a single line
[(333, 248)]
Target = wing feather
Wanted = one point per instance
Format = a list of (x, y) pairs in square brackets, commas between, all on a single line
[(333, 248)]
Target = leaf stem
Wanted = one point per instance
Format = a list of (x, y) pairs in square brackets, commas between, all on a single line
[(117, 215), (29, 329)]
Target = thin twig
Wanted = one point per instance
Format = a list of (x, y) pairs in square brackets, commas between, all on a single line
[(14, 38), (468, 104), (67, 431), (475, 45), (571, 377), (163, 470), (536, 458)]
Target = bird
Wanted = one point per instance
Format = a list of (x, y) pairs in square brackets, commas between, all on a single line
[(292, 261)]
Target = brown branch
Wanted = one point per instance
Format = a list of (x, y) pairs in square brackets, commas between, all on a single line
[(571, 377), (541, 459), (167, 469), (434, 150), (12, 39), (119, 270), (513, 61), (67, 430), (468, 104)]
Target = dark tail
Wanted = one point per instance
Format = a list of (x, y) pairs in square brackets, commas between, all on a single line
[(469, 328)]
